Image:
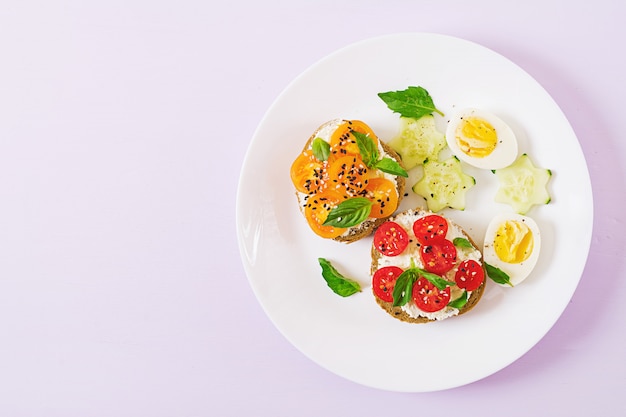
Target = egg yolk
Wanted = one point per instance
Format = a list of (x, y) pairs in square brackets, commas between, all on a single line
[(513, 242), (476, 137)]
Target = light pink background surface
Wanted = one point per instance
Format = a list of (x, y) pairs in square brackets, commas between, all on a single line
[(123, 127)]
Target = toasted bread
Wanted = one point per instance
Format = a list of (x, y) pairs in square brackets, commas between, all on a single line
[(354, 233), (400, 313)]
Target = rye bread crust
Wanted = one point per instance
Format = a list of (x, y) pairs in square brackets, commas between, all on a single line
[(366, 228), (400, 314)]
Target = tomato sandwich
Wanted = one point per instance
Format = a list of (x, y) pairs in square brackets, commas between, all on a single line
[(425, 267), (347, 180)]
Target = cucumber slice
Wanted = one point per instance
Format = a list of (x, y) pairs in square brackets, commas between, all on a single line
[(523, 185), (444, 184), (418, 141)]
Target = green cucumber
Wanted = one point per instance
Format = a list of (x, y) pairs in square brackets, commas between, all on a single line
[(523, 185), (418, 140), (444, 184)]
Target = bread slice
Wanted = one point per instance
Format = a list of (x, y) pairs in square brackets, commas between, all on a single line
[(401, 314), (365, 228)]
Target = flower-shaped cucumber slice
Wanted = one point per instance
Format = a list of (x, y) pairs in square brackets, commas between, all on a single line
[(418, 141), (444, 184), (523, 185)]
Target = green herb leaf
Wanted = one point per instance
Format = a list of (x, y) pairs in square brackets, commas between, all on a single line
[(497, 275), (403, 288), (337, 282), (435, 279), (321, 149), (459, 302), (349, 212), (461, 242), (390, 166), (413, 102), (367, 148), (369, 155)]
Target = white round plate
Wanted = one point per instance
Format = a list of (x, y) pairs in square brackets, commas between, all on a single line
[(353, 337)]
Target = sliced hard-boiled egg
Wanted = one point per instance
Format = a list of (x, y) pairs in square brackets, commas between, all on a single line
[(512, 244), (481, 139)]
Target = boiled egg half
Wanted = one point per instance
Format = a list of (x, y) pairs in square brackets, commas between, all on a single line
[(481, 139), (512, 244)]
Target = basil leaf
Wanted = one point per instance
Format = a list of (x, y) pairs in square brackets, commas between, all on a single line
[(435, 279), (349, 212), (369, 155), (403, 288), (413, 102), (367, 148), (321, 149), (390, 166), (459, 302), (337, 282), (399, 288), (461, 242), (497, 275)]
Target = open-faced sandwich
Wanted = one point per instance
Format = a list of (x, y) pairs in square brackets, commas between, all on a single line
[(347, 180), (425, 267)]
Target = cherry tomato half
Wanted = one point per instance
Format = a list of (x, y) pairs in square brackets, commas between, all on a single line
[(343, 141), (384, 280), (428, 297), (439, 256), (316, 211), (308, 173), (348, 175), (430, 227), (384, 194), (391, 239), (470, 275)]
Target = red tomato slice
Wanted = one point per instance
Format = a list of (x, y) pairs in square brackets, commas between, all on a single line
[(470, 275), (430, 227), (391, 239), (384, 280), (439, 256), (428, 297)]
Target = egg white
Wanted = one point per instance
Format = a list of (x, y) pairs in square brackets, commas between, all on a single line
[(516, 272), (506, 148)]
